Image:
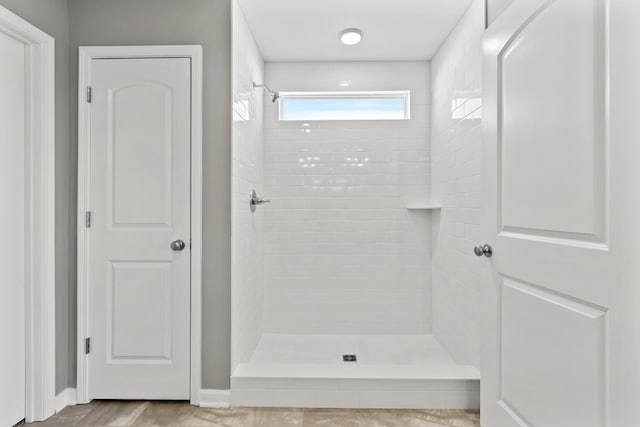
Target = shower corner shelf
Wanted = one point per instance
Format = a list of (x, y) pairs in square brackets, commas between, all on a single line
[(422, 207)]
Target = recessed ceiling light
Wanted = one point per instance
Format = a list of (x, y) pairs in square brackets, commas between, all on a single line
[(351, 36)]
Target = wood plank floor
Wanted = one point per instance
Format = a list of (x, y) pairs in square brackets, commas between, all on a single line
[(128, 413)]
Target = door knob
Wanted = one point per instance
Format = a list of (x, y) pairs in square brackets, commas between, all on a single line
[(178, 245), (485, 250)]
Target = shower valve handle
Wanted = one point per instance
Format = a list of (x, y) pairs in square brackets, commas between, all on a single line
[(259, 201), (256, 201)]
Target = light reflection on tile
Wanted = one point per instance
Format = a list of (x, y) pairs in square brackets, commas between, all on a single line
[(331, 417), (114, 413)]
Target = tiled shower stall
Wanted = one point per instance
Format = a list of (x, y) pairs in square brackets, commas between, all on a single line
[(363, 248)]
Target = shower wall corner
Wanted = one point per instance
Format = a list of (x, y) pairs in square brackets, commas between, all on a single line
[(247, 284)]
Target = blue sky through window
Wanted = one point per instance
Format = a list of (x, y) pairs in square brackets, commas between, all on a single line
[(345, 108)]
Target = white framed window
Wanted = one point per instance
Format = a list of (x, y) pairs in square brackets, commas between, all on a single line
[(376, 105)]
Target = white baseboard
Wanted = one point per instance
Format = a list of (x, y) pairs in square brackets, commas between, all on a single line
[(208, 398), (215, 398), (67, 397)]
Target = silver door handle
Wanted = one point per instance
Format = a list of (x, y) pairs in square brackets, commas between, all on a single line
[(178, 245), (485, 250)]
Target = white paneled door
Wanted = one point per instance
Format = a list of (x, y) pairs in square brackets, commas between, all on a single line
[(139, 230), (554, 193), (12, 230)]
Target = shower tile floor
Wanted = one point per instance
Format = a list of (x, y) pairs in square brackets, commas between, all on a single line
[(370, 349), (378, 356), (131, 413)]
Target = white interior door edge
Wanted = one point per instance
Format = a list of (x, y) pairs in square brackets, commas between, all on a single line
[(40, 221)]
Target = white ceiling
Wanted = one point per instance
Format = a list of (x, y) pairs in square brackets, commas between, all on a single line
[(307, 30)]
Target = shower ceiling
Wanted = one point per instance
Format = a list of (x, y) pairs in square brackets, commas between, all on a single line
[(307, 30)]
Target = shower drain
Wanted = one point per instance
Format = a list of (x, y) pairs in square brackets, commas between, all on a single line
[(349, 358)]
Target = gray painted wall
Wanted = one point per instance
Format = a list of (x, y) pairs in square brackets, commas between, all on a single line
[(208, 23), (51, 16)]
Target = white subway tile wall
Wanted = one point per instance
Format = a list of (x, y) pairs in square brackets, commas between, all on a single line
[(342, 253), (456, 182), (247, 231)]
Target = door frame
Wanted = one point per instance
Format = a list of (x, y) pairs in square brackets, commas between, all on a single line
[(40, 234), (86, 55)]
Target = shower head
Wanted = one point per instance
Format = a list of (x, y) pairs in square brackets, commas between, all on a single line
[(275, 95)]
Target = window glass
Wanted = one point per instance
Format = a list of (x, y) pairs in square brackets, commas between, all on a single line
[(369, 106)]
